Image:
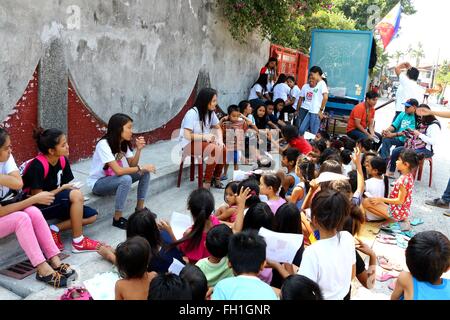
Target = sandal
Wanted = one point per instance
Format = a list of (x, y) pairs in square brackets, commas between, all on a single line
[(416, 222), (386, 239), (385, 276), (66, 271), (384, 263), (55, 279), (217, 184)]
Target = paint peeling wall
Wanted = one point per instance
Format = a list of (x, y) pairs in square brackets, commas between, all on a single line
[(140, 57)]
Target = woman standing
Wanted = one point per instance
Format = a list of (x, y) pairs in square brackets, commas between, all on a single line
[(200, 134)]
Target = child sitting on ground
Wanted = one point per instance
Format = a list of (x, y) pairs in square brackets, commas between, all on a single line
[(427, 258), (377, 186), (290, 135), (269, 186), (290, 180), (227, 212), (192, 244), (215, 267), (398, 206), (132, 258), (196, 280), (169, 286), (297, 287), (304, 169), (247, 254), (272, 118)]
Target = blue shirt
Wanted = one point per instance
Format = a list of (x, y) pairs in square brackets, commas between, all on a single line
[(243, 288), (296, 182), (404, 121), (428, 291), (162, 261)]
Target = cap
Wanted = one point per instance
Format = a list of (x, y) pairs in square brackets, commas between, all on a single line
[(411, 102)]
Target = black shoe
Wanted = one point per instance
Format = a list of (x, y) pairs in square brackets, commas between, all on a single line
[(66, 271), (121, 223), (438, 202), (55, 279)]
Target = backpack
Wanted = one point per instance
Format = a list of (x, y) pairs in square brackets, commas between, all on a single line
[(76, 293), (43, 160)]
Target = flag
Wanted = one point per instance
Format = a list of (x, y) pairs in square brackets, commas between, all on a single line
[(389, 26)]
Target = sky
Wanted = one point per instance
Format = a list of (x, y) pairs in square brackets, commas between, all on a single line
[(429, 25)]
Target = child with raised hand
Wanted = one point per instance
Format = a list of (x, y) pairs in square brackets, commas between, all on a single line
[(398, 206), (297, 287), (192, 244), (215, 267), (227, 212), (50, 171), (427, 258), (269, 186), (305, 170), (115, 168), (247, 254), (331, 260), (132, 258), (196, 280), (169, 286), (377, 186)]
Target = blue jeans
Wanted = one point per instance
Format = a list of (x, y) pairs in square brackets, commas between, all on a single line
[(386, 145), (311, 122), (120, 186), (396, 153), (446, 195), (356, 134), (301, 115)]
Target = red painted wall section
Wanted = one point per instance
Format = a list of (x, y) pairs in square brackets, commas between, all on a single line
[(84, 127), (21, 122)]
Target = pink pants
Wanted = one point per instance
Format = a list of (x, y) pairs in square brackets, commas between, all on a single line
[(33, 234)]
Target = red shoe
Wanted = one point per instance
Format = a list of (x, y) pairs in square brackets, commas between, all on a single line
[(57, 238), (85, 245)]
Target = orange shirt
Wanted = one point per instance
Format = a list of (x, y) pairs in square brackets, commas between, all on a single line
[(359, 112)]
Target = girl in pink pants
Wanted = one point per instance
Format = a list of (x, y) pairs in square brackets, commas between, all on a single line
[(27, 222)]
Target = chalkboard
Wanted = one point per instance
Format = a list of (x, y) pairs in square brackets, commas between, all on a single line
[(344, 55)]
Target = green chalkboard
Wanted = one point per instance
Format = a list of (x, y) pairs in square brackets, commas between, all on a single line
[(344, 55)]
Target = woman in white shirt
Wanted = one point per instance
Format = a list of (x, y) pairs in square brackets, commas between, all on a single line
[(111, 174), (281, 90), (258, 92), (200, 134), (421, 140)]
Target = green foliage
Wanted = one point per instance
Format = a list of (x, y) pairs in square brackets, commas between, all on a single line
[(443, 74), (358, 10)]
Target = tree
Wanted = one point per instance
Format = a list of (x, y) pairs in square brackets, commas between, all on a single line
[(358, 10), (397, 56), (443, 76), (322, 19), (274, 20), (418, 53)]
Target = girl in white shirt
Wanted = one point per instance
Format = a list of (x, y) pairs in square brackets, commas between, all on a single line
[(114, 166), (281, 90), (330, 261), (258, 92), (377, 186)]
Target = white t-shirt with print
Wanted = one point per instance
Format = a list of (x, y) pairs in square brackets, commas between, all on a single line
[(296, 93), (256, 88), (374, 189), (407, 89), (313, 97), (329, 263), (6, 168), (102, 155), (281, 91), (192, 122)]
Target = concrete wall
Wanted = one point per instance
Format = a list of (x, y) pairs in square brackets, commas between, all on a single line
[(140, 57)]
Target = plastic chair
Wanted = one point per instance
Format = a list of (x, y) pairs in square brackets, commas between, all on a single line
[(192, 169), (420, 170)]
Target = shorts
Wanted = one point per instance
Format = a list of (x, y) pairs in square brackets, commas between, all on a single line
[(60, 208), (233, 156)]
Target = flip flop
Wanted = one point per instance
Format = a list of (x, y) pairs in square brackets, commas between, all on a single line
[(447, 213), (386, 240), (385, 236), (408, 234), (416, 222), (384, 263), (385, 276), (391, 285)]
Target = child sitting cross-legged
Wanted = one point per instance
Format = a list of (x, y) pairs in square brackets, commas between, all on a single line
[(427, 258), (132, 258), (196, 280), (269, 186), (247, 254), (216, 267), (297, 287), (227, 211)]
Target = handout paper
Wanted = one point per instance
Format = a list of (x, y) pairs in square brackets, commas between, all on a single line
[(281, 247)]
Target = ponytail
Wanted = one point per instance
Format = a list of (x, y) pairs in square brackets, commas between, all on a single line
[(46, 139)]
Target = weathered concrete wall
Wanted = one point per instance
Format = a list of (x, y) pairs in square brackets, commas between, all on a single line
[(141, 57)]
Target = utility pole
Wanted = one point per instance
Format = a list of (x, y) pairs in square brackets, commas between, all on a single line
[(434, 68)]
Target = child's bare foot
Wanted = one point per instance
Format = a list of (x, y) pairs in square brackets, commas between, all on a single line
[(106, 252)]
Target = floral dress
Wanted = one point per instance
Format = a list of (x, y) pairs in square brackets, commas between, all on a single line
[(400, 212)]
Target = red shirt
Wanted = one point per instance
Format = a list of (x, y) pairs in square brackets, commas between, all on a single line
[(359, 112), (301, 145)]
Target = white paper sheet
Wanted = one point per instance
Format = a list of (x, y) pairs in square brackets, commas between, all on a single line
[(309, 136), (281, 247), (176, 267), (102, 286), (330, 176), (179, 223)]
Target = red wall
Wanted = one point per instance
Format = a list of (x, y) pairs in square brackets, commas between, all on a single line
[(21, 122)]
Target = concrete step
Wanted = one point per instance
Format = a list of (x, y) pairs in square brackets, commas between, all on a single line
[(165, 155)]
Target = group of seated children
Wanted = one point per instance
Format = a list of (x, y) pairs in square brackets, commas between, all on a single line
[(225, 256)]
